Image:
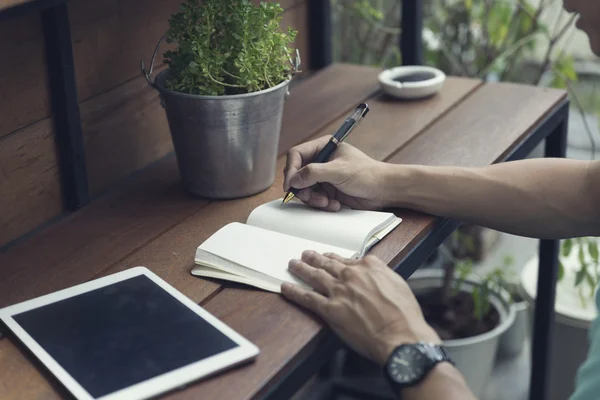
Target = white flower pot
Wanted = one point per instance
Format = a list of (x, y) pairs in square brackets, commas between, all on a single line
[(571, 324), (513, 340), (474, 356)]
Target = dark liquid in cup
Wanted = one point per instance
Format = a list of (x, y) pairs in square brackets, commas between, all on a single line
[(415, 77)]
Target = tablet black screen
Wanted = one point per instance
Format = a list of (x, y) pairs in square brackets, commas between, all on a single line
[(122, 334)]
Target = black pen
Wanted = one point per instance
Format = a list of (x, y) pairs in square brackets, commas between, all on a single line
[(349, 124)]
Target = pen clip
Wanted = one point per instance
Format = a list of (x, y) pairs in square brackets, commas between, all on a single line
[(362, 111)]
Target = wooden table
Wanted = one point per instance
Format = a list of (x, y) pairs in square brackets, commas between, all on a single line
[(150, 221)]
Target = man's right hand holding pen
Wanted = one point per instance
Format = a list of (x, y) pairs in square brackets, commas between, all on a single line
[(350, 177)]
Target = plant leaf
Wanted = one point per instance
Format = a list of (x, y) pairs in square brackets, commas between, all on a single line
[(561, 270), (579, 276), (566, 247), (593, 250)]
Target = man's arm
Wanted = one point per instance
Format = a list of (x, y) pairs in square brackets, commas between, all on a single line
[(443, 382), (373, 310), (542, 198)]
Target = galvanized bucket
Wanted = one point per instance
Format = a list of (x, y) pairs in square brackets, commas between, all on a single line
[(226, 146)]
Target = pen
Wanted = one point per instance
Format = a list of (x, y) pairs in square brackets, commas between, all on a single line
[(342, 133)]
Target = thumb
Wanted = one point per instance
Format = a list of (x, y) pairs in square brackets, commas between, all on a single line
[(312, 174)]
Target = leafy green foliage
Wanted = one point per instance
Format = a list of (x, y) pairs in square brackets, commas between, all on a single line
[(496, 279), (563, 72), (588, 273), (227, 47)]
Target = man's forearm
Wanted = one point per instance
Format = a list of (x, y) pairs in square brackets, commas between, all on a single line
[(545, 198), (443, 382)]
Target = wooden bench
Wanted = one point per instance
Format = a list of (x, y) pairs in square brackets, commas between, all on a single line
[(151, 221)]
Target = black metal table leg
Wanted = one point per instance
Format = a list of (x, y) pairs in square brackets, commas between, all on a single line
[(556, 145), (65, 107), (411, 39), (319, 34)]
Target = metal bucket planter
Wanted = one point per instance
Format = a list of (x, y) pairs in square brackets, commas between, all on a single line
[(474, 356), (226, 146)]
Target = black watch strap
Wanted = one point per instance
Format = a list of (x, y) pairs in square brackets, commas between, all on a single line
[(436, 353)]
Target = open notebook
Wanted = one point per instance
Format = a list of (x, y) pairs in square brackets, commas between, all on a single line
[(257, 253)]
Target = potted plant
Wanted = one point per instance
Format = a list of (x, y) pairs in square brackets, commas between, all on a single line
[(575, 309), (513, 340), (469, 312), (224, 92)]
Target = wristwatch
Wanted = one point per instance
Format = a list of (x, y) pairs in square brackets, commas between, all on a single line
[(409, 364)]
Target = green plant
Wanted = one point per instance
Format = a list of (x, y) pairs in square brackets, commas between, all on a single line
[(457, 268), (494, 280), (588, 273), (228, 47)]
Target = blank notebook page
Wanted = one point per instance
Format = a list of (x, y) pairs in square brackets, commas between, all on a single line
[(261, 250), (346, 228)]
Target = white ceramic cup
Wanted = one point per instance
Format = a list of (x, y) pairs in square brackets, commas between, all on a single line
[(388, 80)]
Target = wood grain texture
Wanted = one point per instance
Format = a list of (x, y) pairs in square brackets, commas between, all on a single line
[(111, 37), (279, 328), (472, 135), (449, 131), (117, 232), (30, 189), (92, 239), (21, 377), (242, 308), (331, 94), (280, 332), (171, 255), (24, 91), (124, 130), (392, 124)]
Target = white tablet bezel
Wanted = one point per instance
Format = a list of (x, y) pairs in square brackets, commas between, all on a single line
[(151, 387)]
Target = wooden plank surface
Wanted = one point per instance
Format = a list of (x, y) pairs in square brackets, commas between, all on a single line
[(124, 130), (30, 192), (24, 90), (171, 255), (124, 127), (487, 112), (98, 239), (280, 329), (143, 209), (272, 314)]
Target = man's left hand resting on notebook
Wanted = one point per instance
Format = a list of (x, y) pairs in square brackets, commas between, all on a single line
[(374, 311)]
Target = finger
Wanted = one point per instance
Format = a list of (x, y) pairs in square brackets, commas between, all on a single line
[(330, 191), (338, 258), (318, 199), (305, 298), (331, 266), (299, 156), (316, 278), (313, 173), (305, 194)]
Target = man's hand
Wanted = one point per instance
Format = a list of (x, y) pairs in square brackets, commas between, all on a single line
[(351, 177), (367, 304)]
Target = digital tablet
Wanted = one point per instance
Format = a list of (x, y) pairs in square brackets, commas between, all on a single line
[(125, 336)]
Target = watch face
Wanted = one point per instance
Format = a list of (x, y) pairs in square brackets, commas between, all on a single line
[(407, 365)]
